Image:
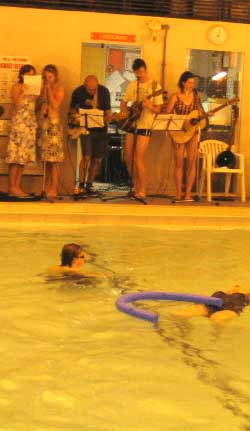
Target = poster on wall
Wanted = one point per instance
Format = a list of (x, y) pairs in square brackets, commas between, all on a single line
[(130, 56), (119, 72), (9, 68)]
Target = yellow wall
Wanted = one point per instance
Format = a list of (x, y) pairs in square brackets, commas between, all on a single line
[(49, 36), (94, 61)]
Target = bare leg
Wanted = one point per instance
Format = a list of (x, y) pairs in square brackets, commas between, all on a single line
[(55, 175), (192, 148), (47, 177), (84, 165), (53, 179), (129, 159), (15, 177), (93, 170), (140, 150), (12, 178), (179, 150)]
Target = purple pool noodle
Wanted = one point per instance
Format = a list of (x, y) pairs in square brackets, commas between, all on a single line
[(122, 303)]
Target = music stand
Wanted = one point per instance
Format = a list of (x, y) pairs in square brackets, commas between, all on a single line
[(87, 120), (168, 123)]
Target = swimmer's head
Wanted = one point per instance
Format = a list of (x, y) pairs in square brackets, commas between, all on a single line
[(240, 292), (72, 255)]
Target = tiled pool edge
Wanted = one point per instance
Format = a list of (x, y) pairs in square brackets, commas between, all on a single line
[(168, 217)]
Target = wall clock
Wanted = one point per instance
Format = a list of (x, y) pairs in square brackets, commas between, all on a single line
[(217, 34)]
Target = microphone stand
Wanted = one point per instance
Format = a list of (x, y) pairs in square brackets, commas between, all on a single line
[(45, 115)]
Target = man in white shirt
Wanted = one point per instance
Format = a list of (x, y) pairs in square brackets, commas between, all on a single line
[(147, 92)]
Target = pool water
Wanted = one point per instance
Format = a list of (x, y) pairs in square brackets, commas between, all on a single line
[(71, 361)]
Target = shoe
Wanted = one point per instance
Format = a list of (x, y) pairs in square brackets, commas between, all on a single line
[(19, 196), (139, 195), (131, 193), (81, 188), (188, 199), (81, 191), (91, 190), (175, 201)]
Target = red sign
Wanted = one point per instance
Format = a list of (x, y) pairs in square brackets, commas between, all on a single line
[(114, 37)]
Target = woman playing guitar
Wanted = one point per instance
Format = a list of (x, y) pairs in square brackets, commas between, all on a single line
[(137, 138), (183, 102)]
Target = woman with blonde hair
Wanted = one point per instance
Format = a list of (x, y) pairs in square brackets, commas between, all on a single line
[(50, 138)]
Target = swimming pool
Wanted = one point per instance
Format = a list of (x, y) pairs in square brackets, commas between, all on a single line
[(70, 360)]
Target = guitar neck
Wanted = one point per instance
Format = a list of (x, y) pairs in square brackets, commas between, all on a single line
[(213, 111)]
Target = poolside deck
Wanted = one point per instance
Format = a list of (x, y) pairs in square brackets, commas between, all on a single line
[(158, 212)]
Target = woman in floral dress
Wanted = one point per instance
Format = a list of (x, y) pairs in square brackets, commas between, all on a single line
[(50, 139), (21, 148)]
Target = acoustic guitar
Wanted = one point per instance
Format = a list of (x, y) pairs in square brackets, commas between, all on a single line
[(196, 120), (125, 121)]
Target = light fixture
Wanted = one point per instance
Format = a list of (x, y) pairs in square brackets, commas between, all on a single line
[(155, 28), (219, 75)]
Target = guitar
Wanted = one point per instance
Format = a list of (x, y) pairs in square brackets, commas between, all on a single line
[(194, 121), (125, 121)]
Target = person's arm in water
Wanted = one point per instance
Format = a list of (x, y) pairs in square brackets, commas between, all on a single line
[(194, 310), (65, 270), (223, 316), (199, 310)]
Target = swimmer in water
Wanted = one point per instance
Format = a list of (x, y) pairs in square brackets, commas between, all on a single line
[(72, 261), (234, 301)]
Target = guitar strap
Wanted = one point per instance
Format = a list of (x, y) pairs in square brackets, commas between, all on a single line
[(136, 101), (197, 100), (137, 91), (95, 99), (197, 104), (154, 86)]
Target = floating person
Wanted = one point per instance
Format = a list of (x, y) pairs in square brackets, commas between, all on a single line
[(234, 301)]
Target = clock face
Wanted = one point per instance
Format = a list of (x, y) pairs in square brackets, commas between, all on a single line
[(217, 34)]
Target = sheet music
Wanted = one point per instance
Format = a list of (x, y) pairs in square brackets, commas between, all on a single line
[(169, 122), (34, 83), (91, 118), (114, 80)]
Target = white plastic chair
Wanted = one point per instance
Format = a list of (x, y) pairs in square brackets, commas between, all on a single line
[(208, 152)]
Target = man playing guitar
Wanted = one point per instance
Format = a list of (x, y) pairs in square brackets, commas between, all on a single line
[(183, 102), (137, 138)]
